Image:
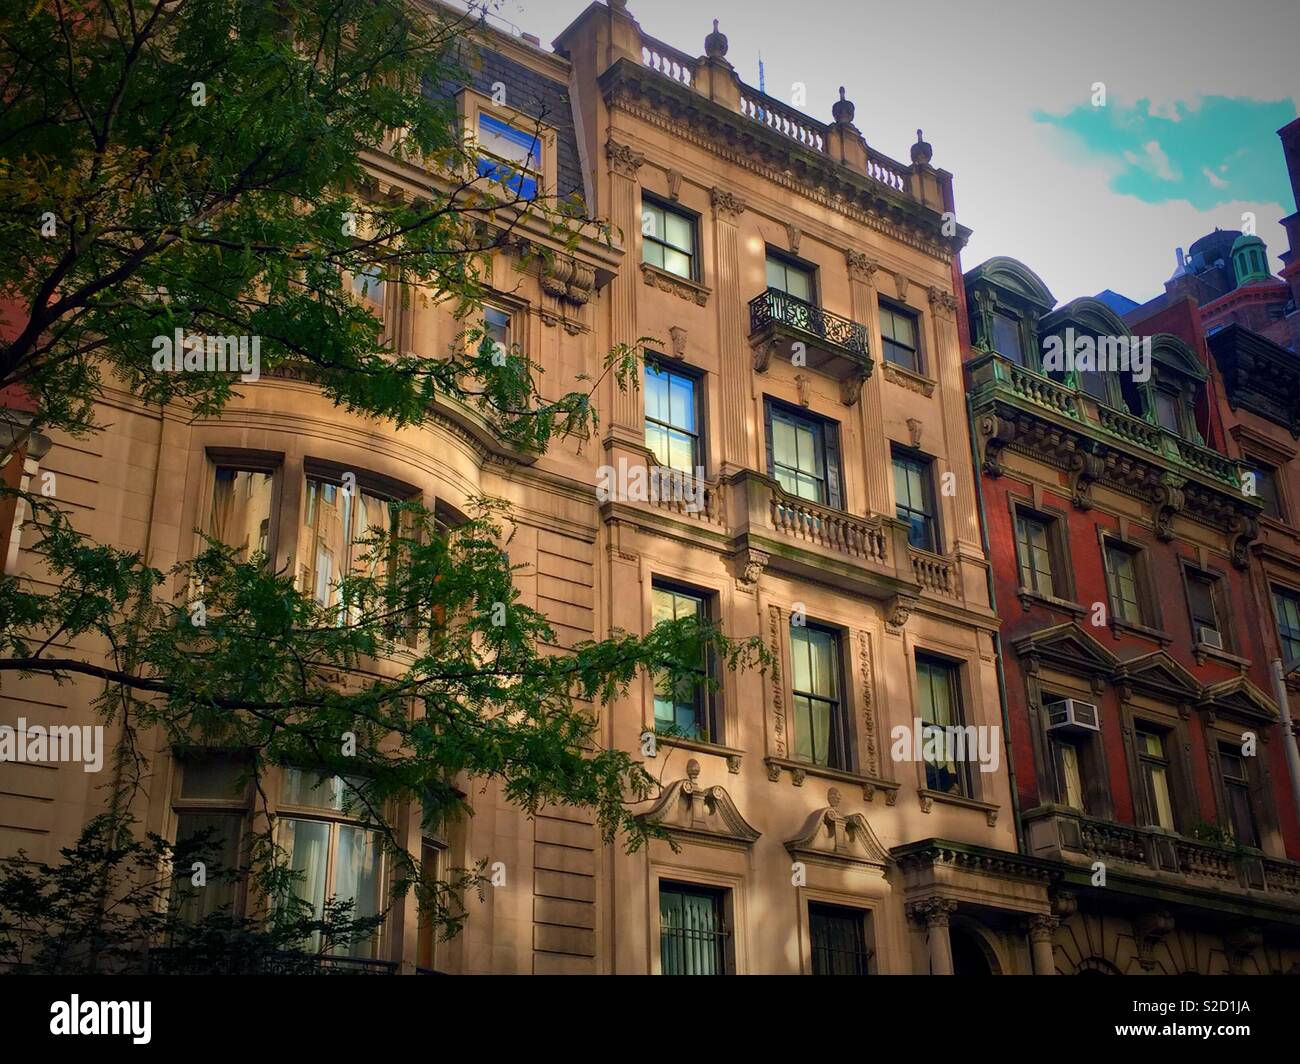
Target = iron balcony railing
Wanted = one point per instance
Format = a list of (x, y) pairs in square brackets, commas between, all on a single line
[(774, 307), (169, 961)]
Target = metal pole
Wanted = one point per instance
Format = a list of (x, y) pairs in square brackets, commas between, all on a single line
[(1288, 732)]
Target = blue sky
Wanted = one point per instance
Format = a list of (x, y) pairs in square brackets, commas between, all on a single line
[(1089, 197)]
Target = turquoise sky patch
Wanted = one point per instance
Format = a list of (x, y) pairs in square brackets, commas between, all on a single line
[(1215, 150)]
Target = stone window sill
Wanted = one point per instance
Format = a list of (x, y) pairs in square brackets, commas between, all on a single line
[(800, 769), (929, 797)]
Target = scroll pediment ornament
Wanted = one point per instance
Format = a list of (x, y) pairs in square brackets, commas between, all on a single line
[(831, 834), (687, 808)]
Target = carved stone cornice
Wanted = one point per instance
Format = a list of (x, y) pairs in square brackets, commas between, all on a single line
[(688, 115), (623, 160), (690, 291), (726, 205), (686, 808), (913, 382)]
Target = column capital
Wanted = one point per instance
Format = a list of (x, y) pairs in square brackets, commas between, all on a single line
[(1042, 926), (623, 160), (861, 266), (932, 912), (943, 303), (726, 205)]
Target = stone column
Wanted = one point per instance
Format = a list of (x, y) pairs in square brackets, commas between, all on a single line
[(934, 913), (876, 460), (952, 396), (735, 360), (625, 216), (1042, 928)]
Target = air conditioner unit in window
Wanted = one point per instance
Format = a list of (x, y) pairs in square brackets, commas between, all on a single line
[(1070, 714), (1209, 637)]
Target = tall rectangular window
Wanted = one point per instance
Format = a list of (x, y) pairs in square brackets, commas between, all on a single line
[(497, 323), (1069, 774), (839, 940), (1006, 338), (1153, 761), (1264, 484), (509, 156), (1286, 610), (937, 682), (333, 851), (804, 455), (898, 334), (668, 239), (336, 518), (1202, 603), (672, 417), (683, 709), (211, 807), (1123, 576), (1236, 795), (820, 730), (1034, 550), (790, 277), (914, 496), (241, 509), (693, 933)]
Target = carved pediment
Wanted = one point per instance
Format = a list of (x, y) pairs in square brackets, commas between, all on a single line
[(1160, 673), (1067, 647), (686, 808), (832, 834), (1240, 699)]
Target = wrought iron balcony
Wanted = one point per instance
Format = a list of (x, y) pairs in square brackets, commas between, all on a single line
[(831, 344), (169, 961)]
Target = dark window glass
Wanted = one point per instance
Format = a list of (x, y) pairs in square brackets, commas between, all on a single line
[(1236, 794), (899, 335), (1007, 340), (672, 429), (820, 732), (941, 706), (692, 930), (683, 709), (914, 496), (1286, 608), (1201, 591), (1167, 411), (1122, 574), (1034, 551), (1094, 383), (1265, 488), (839, 941), (668, 239)]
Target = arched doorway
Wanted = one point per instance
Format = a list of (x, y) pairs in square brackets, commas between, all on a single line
[(969, 956)]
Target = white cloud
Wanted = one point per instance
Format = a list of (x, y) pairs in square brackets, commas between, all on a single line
[(1152, 159), (1213, 178)]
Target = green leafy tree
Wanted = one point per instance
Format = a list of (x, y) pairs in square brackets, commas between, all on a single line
[(200, 165)]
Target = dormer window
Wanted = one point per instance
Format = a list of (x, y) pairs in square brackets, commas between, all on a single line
[(1007, 338), (1169, 411)]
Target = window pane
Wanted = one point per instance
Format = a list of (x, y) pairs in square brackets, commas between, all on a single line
[(357, 868), (692, 934), (775, 275), (838, 940), (679, 232), (220, 851), (676, 263), (936, 688), (326, 539), (241, 510), (1164, 810), (682, 402), (1070, 780), (307, 844), (506, 142), (214, 777), (1006, 338)]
